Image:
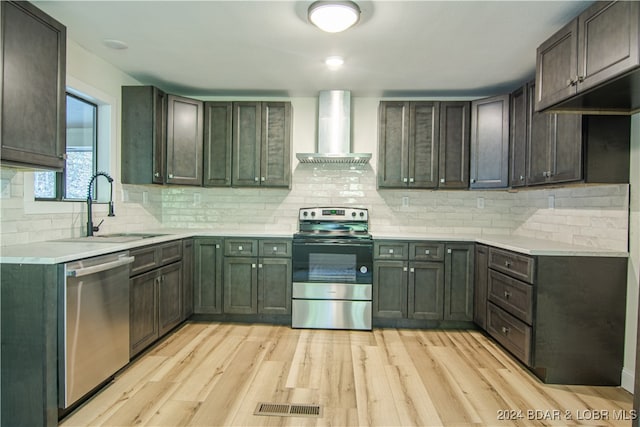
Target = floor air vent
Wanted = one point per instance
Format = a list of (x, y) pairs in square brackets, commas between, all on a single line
[(288, 410)]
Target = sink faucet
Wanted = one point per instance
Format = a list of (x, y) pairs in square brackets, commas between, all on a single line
[(90, 227)]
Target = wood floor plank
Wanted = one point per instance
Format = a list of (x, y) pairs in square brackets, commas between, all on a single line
[(211, 374)]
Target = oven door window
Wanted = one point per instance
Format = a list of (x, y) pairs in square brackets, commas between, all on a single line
[(332, 268), (332, 263)]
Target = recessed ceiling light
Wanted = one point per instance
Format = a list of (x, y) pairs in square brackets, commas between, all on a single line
[(333, 16), (334, 62), (115, 44)]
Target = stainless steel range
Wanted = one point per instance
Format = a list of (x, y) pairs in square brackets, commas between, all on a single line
[(332, 269)]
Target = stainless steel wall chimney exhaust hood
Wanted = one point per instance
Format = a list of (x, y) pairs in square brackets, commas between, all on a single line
[(334, 131)]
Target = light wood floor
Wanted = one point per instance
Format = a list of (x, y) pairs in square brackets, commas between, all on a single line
[(210, 374)]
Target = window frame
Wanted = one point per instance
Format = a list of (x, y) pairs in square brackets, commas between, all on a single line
[(61, 177)]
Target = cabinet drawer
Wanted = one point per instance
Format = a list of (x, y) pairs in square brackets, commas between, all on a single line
[(169, 252), (513, 264), (145, 260), (512, 295), (422, 251), (241, 247), (390, 250), (274, 248), (512, 333)]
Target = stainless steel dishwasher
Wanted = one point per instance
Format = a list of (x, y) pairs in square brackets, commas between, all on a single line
[(94, 331)]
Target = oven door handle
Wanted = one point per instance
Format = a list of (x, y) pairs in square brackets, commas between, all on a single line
[(327, 242)]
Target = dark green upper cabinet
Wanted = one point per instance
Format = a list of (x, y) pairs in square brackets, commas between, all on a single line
[(261, 144), (490, 142), (593, 63), (184, 141), (218, 119), (161, 137), (423, 144), (408, 151), (453, 170), (32, 86)]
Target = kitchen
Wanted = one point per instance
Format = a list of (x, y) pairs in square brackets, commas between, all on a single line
[(274, 211)]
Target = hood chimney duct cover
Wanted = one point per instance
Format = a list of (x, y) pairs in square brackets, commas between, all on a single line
[(334, 131)]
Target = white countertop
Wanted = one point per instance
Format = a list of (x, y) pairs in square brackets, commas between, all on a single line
[(57, 252)]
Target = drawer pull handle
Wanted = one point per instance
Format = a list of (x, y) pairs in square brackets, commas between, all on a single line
[(505, 330), (507, 294)]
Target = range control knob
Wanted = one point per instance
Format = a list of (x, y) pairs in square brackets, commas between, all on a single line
[(313, 213), (361, 213), (353, 213)]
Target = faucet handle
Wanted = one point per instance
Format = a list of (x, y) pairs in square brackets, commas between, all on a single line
[(96, 228)]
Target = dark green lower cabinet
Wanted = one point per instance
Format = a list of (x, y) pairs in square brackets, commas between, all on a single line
[(274, 286), (207, 275), (440, 289), (389, 289), (155, 305), (426, 290), (458, 289), (240, 285)]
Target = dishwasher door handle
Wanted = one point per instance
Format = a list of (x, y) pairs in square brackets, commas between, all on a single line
[(101, 267)]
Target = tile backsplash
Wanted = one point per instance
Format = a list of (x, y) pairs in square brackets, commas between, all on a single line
[(591, 215)]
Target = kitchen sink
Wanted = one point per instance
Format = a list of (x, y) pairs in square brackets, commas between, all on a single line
[(112, 238)]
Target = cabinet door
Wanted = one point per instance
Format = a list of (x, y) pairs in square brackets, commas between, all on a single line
[(240, 285), (519, 131), (426, 290), (207, 276), (481, 286), (608, 43), (393, 129), (184, 141), (390, 289), (490, 142), (187, 278), (566, 148), (556, 67), (453, 170), (274, 286), (33, 123), (218, 119), (275, 158), (144, 135), (169, 297), (423, 145), (458, 290), (539, 145), (246, 144), (143, 312)]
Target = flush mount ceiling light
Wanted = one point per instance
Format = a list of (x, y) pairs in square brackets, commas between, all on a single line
[(334, 62), (115, 44), (333, 16)]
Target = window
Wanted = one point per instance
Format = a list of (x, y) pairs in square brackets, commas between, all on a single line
[(81, 163)]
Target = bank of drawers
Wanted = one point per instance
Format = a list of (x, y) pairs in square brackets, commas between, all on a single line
[(510, 295)]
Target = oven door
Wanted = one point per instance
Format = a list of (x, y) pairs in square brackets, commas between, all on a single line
[(332, 261)]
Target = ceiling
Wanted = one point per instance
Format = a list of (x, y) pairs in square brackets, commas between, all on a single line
[(268, 48)]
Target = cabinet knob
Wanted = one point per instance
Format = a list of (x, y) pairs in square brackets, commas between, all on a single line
[(521, 178), (171, 176), (442, 180), (157, 174), (427, 251), (240, 248), (390, 251), (404, 180), (412, 180), (404, 268), (449, 251), (217, 246), (507, 264), (507, 294), (253, 266), (473, 180), (259, 265), (262, 179), (412, 270), (275, 249), (256, 179), (505, 330)]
